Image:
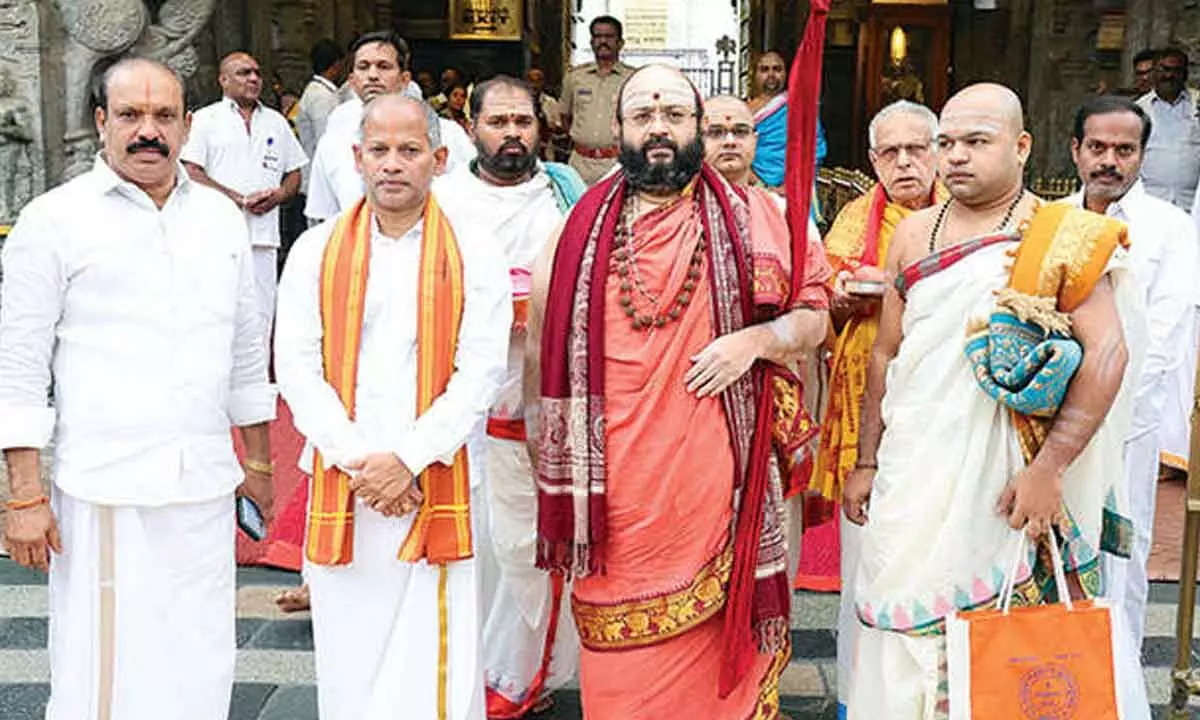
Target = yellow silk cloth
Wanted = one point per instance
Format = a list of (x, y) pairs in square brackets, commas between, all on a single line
[(863, 227)]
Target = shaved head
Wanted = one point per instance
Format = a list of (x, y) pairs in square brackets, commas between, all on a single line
[(727, 107), (770, 72), (657, 84), (982, 143), (234, 57), (241, 79), (991, 101), (729, 137)]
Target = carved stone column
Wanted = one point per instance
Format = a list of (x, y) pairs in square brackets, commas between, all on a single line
[(22, 142)]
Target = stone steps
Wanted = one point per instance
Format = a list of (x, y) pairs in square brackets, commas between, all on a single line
[(274, 679)]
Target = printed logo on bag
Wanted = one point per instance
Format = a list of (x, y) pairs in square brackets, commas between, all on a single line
[(1049, 692)]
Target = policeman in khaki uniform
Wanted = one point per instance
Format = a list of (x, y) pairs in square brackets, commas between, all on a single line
[(589, 102)]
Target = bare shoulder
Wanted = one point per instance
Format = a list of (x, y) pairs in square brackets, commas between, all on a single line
[(910, 241)]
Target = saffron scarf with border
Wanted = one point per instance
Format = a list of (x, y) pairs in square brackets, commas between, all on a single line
[(441, 531), (571, 468)]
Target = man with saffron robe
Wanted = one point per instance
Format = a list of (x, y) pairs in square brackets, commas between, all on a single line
[(952, 461), (901, 138), (1108, 146), (529, 647), (657, 316), (391, 342)]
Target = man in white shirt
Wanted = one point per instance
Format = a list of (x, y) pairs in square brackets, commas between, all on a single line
[(524, 201), (391, 345), (247, 151), (319, 99), (1108, 147), (379, 66), (132, 288), (1171, 169)]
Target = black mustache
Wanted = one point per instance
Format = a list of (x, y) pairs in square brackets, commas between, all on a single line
[(659, 142), (152, 144), (1107, 172), (517, 144)]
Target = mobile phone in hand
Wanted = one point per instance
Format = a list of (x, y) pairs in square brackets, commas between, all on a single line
[(250, 519)]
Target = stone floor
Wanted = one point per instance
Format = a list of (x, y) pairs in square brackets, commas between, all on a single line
[(275, 671)]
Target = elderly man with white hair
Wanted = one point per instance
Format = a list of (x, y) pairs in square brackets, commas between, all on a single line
[(901, 138)]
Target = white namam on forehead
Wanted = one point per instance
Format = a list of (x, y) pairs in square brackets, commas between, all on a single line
[(985, 108), (658, 86), (727, 109)]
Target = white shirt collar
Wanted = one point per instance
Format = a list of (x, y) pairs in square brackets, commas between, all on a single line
[(107, 179), (232, 104), (325, 82), (1184, 97), (1120, 207)]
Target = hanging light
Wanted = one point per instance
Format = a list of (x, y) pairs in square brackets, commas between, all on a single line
[(898, 45)]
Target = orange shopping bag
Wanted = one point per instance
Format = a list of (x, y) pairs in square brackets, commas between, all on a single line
[(1049, 662)]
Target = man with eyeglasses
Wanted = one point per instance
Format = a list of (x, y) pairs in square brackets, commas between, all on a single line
[(901, 138), (527, 652), (1171, 169), (1109, 138), (655, 314)]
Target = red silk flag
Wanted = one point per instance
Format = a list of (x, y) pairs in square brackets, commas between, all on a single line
[(804, 95)]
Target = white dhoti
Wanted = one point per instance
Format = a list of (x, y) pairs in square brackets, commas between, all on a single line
[(266, 283), (519, 606), (847, 622), (377, 631), (1126, 582), (1176, 430), (933, 542), (142, 612)]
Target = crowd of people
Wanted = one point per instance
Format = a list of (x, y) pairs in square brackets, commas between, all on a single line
[(555, 414)]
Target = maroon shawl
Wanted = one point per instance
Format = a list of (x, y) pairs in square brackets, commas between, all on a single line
[(571, 468)]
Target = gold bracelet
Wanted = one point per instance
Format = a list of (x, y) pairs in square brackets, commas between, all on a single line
[(255, 466), (26, 504)]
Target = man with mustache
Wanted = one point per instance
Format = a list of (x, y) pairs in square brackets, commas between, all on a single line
[(379, 66), (132, 289), (524, 200), (589, 98), (951, 464), (657, 314), (904, 159), (391, 345), (1171, 169), (1108, 147), (770, 108), (247, 151)]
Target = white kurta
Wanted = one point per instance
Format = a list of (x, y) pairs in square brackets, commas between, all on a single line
[(933, 540), (375, 621), (516, 595), (334, 182), (146, 319), (1166, 263)]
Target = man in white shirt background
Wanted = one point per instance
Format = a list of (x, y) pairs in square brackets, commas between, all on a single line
[(1110, 136), (1171, 169), (247, 151), (379, 66), (320, 98), (395, 618), (131, 287)]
